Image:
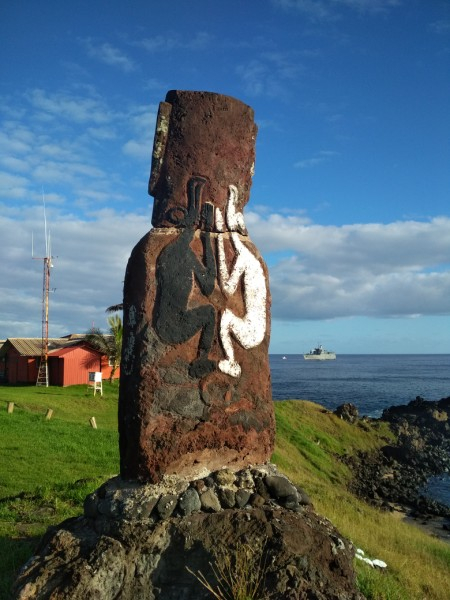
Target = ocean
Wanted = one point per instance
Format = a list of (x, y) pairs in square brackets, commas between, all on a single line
[(372, 382)]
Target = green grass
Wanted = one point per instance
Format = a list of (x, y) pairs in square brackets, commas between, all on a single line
[(48, 467), (37, 450), (309, 440)]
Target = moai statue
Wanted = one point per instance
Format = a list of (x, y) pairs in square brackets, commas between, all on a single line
[(195, 391)]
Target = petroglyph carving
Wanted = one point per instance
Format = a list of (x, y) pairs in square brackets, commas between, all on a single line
[(250, 329), (176, 266)]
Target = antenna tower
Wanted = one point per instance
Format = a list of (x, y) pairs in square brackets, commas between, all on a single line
[(42, 378)]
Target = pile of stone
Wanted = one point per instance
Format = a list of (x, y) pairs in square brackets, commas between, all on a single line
[(223, 489), (127, 547)]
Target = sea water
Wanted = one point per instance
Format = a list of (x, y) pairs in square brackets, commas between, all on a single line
[(372, 382)]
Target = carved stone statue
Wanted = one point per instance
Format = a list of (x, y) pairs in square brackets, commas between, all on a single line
[(195, 391), (195, 397)]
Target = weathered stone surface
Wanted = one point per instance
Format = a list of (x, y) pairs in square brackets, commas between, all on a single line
[(225, 477), (118, 499), (201, 133), (210, 501), (301, 554), (166, 505), (189, 501), (242, 497), (280, 486), (227, 497), (347, 412), (195, 391)]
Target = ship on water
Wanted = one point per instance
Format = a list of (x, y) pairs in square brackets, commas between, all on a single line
[(319, 353)]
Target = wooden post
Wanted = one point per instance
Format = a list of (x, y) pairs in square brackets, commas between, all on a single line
[(93, 422), (49, 414), (10, 407)]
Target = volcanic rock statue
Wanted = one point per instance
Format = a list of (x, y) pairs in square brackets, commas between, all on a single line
[(196, 417), (195, 390)]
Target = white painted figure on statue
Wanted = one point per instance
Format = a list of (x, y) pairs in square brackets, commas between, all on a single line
[(250, 329)]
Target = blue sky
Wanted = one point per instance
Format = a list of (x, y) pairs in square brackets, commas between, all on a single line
[(350, 199)]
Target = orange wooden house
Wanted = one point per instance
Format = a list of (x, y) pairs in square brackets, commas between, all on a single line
[(70, 360)]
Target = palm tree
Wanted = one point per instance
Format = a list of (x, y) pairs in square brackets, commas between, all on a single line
[(115, 308), (109, 344)]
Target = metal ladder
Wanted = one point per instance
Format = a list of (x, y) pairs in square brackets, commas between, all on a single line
[(42, 378)]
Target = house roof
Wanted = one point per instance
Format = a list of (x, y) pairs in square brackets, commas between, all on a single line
[(67, 349), (33, 346)]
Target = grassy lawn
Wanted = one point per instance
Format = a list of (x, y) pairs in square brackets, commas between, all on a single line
[(47, 467), (36, 450)]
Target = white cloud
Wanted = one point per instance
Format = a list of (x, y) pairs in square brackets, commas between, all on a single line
[(171, 41), (13, 186), (12, 139), (80, 152), (70, 106), (317, 272), (330, 9), (397, 269), (138, 149), (441, 27), (319, 158), (109, 55), (269, 75), (89, 267), (14, 164), (142, 122)]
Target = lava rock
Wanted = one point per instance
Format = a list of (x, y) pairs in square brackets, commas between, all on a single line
[(348, 412), (189, 502)]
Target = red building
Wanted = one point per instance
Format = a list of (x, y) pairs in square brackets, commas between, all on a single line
[(70, 359)]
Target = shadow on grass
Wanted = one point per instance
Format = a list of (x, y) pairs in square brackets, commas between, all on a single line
[(15, 551)]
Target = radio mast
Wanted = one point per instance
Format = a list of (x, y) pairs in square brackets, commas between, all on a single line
[(42, 378)]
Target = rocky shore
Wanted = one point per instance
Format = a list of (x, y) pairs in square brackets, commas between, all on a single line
[(394, 477)]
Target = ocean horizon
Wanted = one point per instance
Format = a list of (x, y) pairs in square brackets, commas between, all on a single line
[(372, 382)]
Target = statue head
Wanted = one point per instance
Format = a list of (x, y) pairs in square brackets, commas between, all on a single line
[(201, 134)]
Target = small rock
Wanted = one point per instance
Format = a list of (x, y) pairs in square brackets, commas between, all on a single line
[(148, 506), (291, 502), (347, 412), (242, 497), (109, 507), (210, 501), (199, 485), (225, 477), (279, 487), (133, 509), (166, 505), (261, 489), (189, 501), (256, 500), (227, 497), (245, 479)]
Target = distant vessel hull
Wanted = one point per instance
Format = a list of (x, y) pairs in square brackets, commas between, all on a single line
[(320, 353), (324, 356)]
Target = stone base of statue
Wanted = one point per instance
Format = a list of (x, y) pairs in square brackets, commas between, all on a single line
[(172, 540)]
